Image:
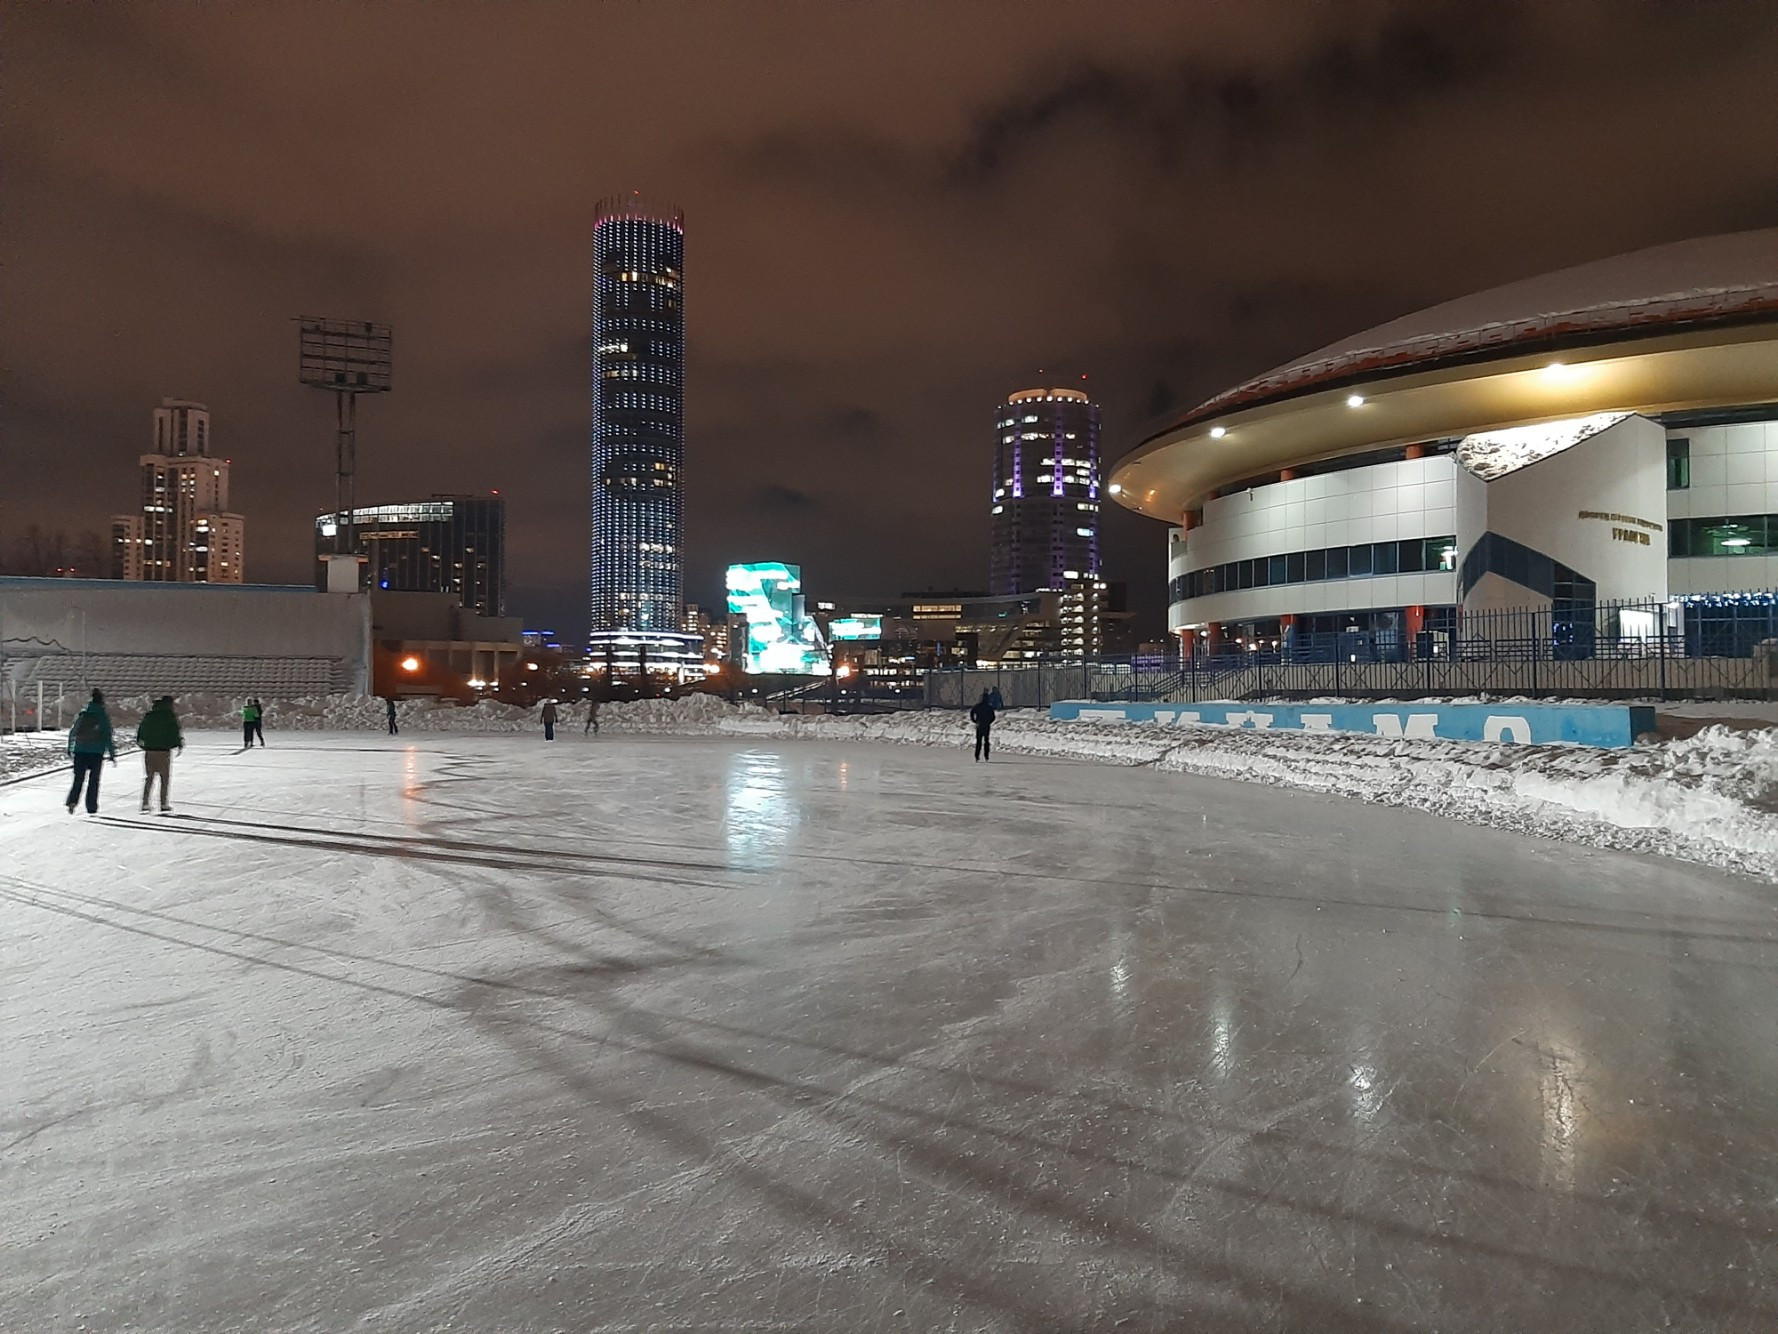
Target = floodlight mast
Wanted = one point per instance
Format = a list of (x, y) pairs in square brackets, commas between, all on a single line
[(350, 357)]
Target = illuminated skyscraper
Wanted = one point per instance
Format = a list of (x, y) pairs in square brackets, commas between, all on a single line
[(1046, 491), (185, 532), (638, 436)]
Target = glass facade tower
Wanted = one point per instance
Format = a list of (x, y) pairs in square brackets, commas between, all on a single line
[(449, 544), (638, 433), (1045, 505)]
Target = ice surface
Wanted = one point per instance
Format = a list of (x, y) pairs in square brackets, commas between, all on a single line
[(1707, 793), (471, 1031)]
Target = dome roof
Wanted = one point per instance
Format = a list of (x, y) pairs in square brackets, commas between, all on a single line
[(1712, 279)]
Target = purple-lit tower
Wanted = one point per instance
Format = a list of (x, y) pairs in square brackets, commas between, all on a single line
[(1046, 491)]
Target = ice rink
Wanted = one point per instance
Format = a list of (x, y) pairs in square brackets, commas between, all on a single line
[(479, 1033)]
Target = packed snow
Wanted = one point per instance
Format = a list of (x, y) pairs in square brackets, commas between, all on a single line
[(1711, 797)]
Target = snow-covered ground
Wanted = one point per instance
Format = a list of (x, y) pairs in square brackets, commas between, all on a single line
[(1708, 793), (475, 1032)]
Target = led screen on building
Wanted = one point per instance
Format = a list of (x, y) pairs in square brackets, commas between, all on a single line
[(855, 627), (781, 637)]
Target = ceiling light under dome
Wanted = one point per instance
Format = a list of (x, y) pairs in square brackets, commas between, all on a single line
[(1492, 454), (1115, 488), (1355, 400), (1217, 432)]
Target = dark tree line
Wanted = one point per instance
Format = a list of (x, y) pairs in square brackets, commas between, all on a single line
[(38, 551)]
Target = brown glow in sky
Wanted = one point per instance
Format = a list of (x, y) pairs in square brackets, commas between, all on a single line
[(896, 213)]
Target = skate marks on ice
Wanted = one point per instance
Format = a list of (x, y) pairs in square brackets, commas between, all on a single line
[(427, 848)]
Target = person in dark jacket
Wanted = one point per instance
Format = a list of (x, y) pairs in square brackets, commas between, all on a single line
[(89, 742), (995, 699), (549, 720), (159, 736), (982, 715), (393, 728), (258, 719)]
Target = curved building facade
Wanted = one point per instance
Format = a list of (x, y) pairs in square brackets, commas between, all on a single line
[(638, 430), (1045, 503), (1605, 433)]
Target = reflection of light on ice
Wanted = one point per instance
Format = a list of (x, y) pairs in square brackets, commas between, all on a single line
[(1222, 1036), (1561, 1114), (1367, 1098), (757, 814), (410, 785)]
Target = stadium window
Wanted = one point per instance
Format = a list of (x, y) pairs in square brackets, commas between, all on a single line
[(1679, 464)]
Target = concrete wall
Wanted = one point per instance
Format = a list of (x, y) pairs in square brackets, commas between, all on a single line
[(103, 616)]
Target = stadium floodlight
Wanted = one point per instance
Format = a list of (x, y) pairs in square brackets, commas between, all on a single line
[(349, 357)]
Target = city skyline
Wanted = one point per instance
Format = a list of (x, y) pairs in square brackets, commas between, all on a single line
[(1169, 203)]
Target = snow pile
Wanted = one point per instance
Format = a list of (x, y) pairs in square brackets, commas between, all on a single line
[(25, 753)]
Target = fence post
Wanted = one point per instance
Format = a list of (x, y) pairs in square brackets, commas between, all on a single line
[(1663, 653), (1536, 639)]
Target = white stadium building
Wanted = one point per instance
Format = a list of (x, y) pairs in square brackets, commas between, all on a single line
[(1603, 435)]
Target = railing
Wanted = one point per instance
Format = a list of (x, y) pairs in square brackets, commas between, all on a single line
[(1705, 647)]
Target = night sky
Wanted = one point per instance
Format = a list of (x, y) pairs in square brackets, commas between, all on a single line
[(896, 214)]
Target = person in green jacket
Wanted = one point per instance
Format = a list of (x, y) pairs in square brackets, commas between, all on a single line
[(249, 721), (159, 736), (89, 742)]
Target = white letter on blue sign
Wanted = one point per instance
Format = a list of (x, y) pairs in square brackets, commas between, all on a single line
[(1507, 729)]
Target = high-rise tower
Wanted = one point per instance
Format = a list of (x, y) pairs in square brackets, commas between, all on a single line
[(638, 438), (1046, 491), (185, 532)]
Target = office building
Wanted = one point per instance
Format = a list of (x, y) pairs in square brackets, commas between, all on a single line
[(1604, 434), (448, 544), (638, 437), (1045, 497), (184, 532)]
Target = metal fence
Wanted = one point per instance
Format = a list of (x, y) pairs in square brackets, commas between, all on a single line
[(1707, 647)]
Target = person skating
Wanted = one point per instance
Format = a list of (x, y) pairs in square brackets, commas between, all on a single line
[(393, 727), (89, 742), (249, 720), (159, 736), (258, 719), (592, 718), (982, 715), (549, 720)]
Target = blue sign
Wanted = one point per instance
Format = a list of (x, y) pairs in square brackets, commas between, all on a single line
[(1612, 726)]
